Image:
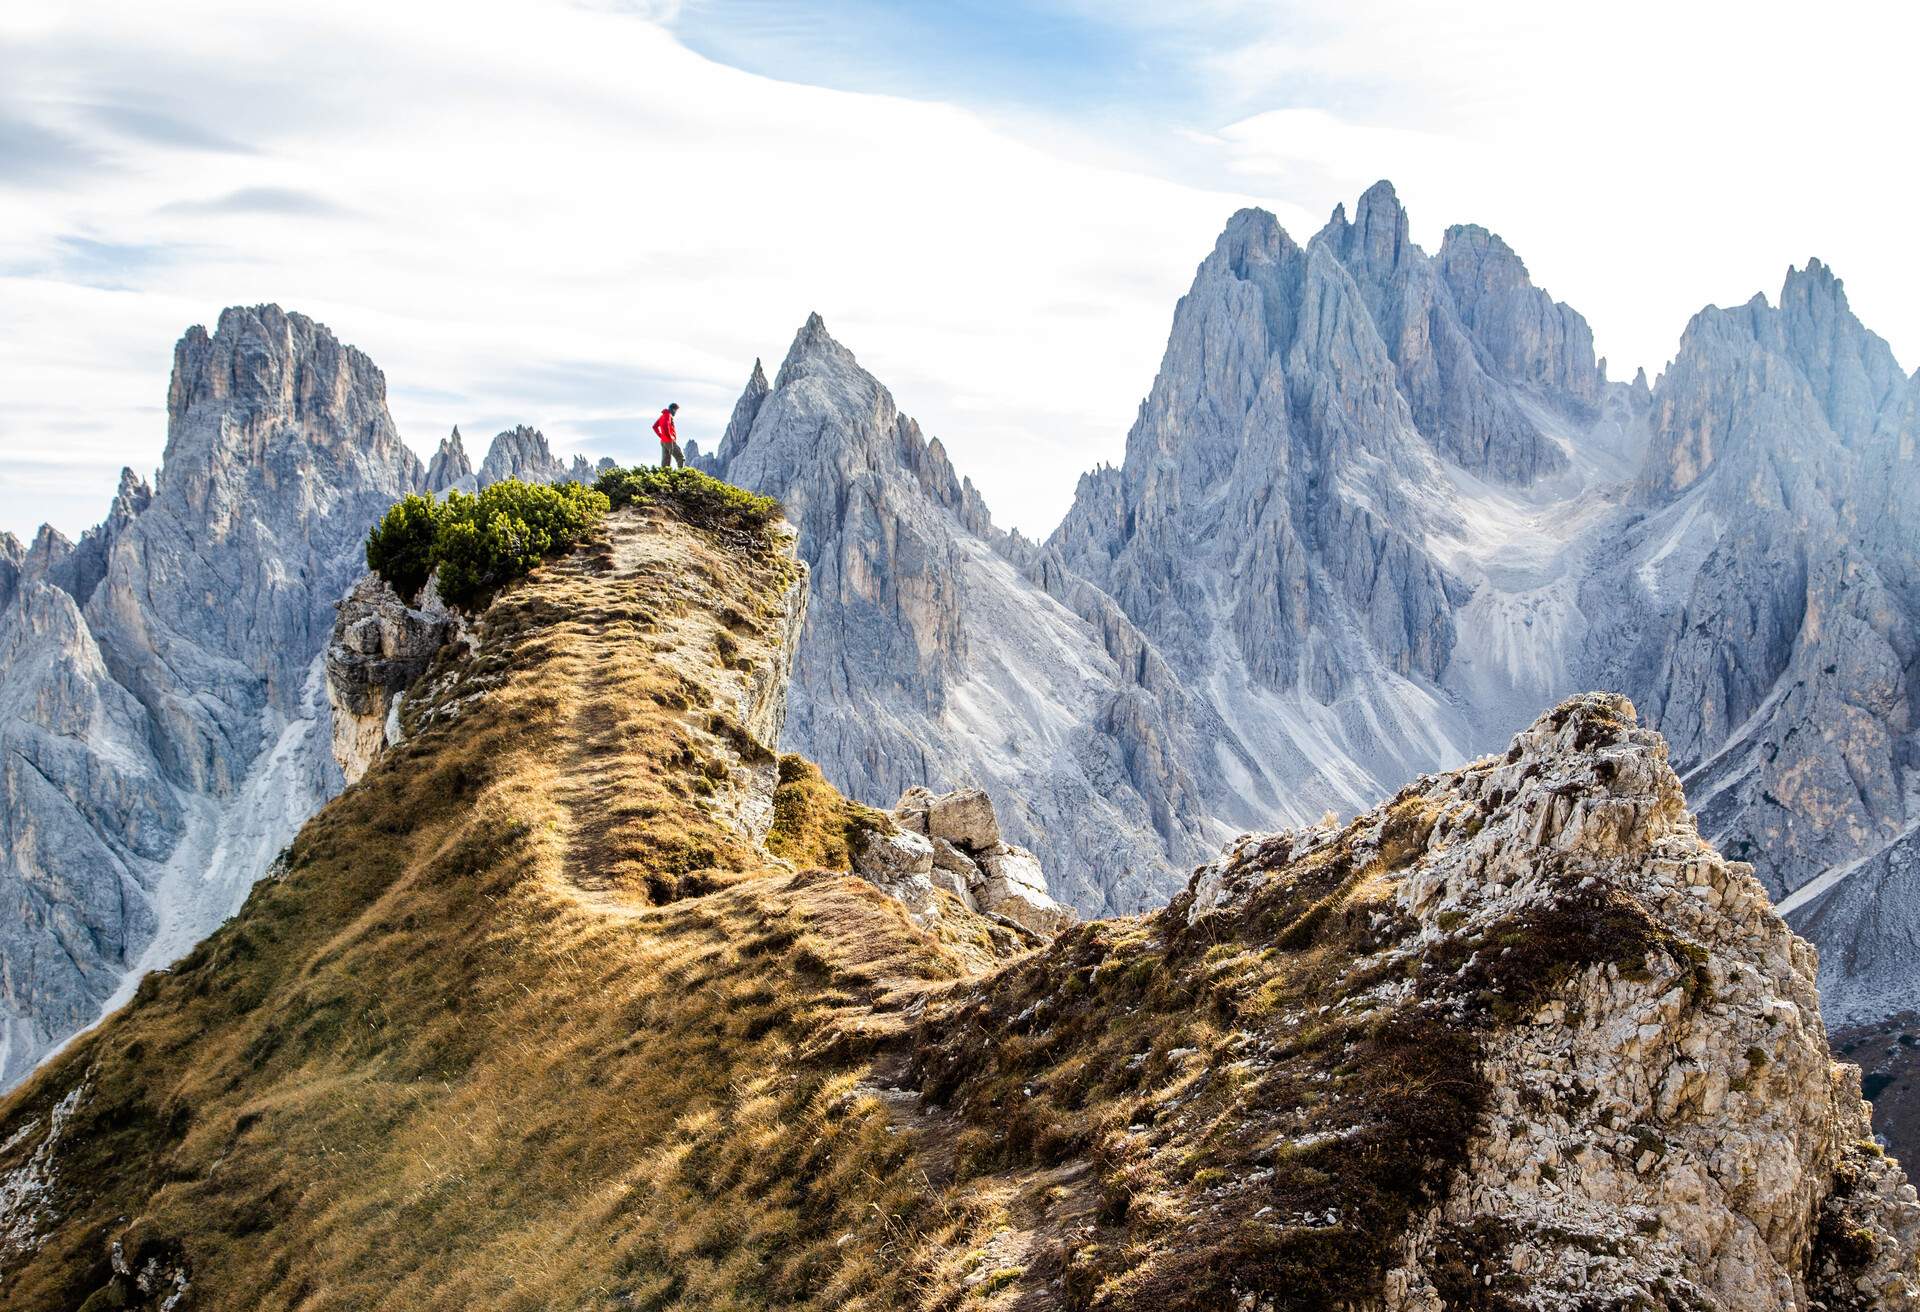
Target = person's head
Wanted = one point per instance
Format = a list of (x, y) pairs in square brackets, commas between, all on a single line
[(673, 408)]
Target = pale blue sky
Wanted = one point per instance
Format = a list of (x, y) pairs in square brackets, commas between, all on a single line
[(558, 212)]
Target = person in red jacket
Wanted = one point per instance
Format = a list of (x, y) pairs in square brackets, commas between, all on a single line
[(669, 440)]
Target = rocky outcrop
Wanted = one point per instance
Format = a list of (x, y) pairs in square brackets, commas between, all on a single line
[(1517, 1038), (163, 727), (952, 841), (450, 467), (521, 452), (380, 646), (1674, 1131)]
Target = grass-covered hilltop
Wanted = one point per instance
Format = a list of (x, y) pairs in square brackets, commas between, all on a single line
[(573, 1001)]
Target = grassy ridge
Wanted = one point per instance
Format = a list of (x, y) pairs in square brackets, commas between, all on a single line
[(479, 1044)]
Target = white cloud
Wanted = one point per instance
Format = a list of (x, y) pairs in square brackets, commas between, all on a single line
[(1645, 160), (553, 212), (556, 213)]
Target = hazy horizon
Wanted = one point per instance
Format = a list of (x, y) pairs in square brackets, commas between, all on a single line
[(568, 214)]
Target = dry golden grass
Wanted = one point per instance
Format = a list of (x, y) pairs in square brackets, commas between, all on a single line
[(481, 1046), (526, 1023)]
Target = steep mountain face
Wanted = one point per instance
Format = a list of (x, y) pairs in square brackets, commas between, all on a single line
[(162, 729), (450, 467), (942, 651), (1382, 507), (536, 994), (1764, 607), (1346, 509), (521, 452)]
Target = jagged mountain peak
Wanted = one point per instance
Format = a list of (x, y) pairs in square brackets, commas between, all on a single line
[(1252, 237), (740, 422), (450, 466), (813, 349), (521, 452), (264, 356)]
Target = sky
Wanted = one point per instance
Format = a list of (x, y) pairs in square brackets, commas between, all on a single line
[(569, 212)]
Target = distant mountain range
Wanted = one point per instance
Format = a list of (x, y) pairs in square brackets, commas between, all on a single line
[(1378, 510)]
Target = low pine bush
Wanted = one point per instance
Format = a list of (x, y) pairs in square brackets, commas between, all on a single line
[(477, 543), (400, 547), (698, 498)]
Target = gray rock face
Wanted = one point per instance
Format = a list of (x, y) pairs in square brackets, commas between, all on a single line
[(380, 645), (162, 726), (1379, 509), (1764, 607), (521, 452), (1528, 337), (940, 651), (450, 467), (1456, 380)]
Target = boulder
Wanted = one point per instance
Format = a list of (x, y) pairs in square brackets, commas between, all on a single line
[(887, 859), (964, 818), (1015, 887), (910, 812)]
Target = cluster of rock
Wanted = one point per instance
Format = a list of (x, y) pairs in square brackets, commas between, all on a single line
[(380, 646), (519, 452), (951, 842)]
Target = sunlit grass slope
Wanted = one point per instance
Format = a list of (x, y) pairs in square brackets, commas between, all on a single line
[(523, 1022)]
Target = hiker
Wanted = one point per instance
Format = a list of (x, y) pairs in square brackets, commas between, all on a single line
[(669, 442)]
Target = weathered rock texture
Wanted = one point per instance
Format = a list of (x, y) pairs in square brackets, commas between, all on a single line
[(942, 652), (162, 726), (380, 646), (951, 841), (1518, 1038)]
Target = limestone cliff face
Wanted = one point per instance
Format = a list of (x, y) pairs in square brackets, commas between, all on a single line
[(1518, 1038), (162, 726), (380, 647), (937, 654), (1764, 611)]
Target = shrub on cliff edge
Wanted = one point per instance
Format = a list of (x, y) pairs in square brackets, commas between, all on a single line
[(477, 543)]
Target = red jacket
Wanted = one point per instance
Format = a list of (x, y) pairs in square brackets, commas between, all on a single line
[(663, 426)]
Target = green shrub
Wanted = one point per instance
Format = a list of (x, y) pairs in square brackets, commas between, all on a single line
[(400, 547), (477, 543), (698, 498)]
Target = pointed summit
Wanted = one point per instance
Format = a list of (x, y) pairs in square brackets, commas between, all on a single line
[(1251, 237), (813, 347), (449, 464), (747, 408), (1853, 371), (521, 452)]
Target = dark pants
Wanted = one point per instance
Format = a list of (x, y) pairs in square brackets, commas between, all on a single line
[(670, 452)]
